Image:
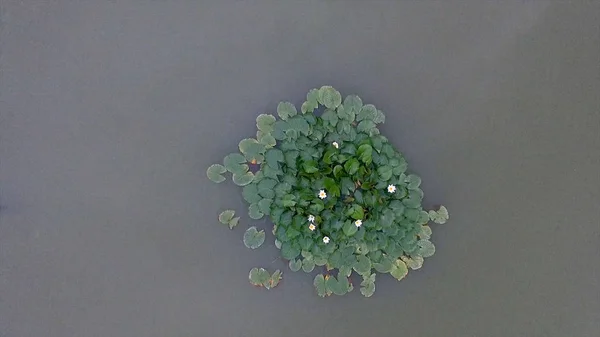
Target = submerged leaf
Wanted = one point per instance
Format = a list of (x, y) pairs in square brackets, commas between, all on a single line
[(214, 173), (254, 238)]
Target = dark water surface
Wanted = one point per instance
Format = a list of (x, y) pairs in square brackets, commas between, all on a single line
[(111, 112)]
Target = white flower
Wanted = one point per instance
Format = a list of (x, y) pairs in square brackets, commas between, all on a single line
[(312, 227), (358, 223), (326, 239), (322, 194), (311, 218), (336, 145), (391, 188)]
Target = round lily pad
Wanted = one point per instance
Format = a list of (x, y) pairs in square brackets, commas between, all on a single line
[(214, 173), (254, 238)]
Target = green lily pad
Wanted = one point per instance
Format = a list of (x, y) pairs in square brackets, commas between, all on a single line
[(413, 181), (365, 126), (440, 216), (399, 270), (259, 276), (329, 97), (254, 238), (234, 161), (264, 122), (367, 112), (352, 166), (365, 153), (368, 289), (274, 157), (250, 193), (234, 222), (295, 265), (385, 172), (384, 266), (243, 179), (362, 265), (425, 232), (226, 216), (265, 206), (214, 173), (413, 262), (308, 265), (286, 110), (320, 286), (254, 212), (426, 248), (267, 140), (273, 280)]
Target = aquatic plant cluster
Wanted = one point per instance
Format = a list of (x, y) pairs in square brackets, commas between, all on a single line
[(337, 192)]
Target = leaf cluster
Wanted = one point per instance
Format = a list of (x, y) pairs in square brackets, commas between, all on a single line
[(337, 192)]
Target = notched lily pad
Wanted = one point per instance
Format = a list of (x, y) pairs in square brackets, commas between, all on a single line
[(440, 216), (243, 179), (295, 265), (286, 110), (329, 97), (214, 173), (254, 238), (227, 218)]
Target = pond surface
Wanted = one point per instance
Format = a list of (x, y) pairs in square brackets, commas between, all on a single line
[(110, 114)]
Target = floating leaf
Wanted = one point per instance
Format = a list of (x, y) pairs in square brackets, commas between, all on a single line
[(254, 238), (267, 140), (265, 206), (274, 279), (368, 289), (233, 161), (353, 103), (329, 97), (365, 153), (286, 110), (399, 270), (413, 262), (319, 283), (352, 166), (385, 172), (426, 248), (288, 251), (367, 112), (349, 228), (258, 276), (265, 122), (254, 212), (250, 193), (214, 173), (425, 232), (308, 265), (295, 265), (384, 266), (365, 126), (413, 181), (226, 216), (243, 179), (234, 222), (362, 265), (440, 216)]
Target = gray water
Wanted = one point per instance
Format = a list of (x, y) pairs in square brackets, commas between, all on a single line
[(111, 112)]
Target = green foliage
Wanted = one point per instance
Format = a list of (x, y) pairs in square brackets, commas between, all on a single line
[(337, 192), (440, 216), (254, 238), (260, 277), (214, 173), (227, 218)]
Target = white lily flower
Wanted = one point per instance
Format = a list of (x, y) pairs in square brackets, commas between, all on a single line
[(322, 194), (336, 145), (391, 188), (312, 227), (326, 239), (311, 218), (358, 223)]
